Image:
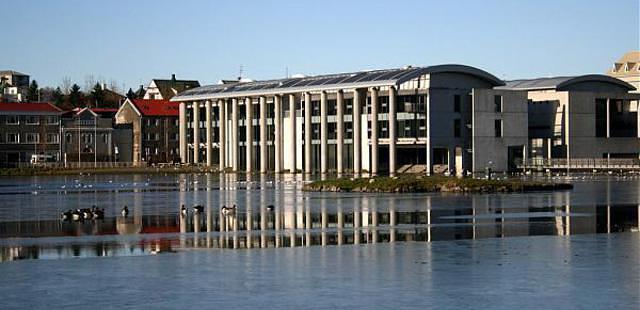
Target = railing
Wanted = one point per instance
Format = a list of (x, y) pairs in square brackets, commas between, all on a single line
[(581, 163), (81, 165)]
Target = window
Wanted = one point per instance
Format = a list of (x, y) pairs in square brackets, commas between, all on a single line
[(13, 137), (175, 137), (456, 103), (176, 122), (13, 120), (52, 138), (498, 128), (87, 138), (148, 122), (456, 128), (537, 143), (32, 137), (601, 118), (33, 120), (105, 138), (68, 138), (157, 122), (497, 102), (52, 120), (156, 137)]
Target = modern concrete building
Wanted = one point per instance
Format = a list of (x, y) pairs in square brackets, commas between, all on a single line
[(27, 129), (155, 129), (445, 118), (627, 68), (581, 117)]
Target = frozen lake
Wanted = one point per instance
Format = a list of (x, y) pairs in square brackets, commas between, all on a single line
[(287, 248)]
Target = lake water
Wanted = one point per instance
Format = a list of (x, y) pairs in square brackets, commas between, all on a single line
[(287, 247)]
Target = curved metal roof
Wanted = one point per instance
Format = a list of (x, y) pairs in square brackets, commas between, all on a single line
[(562, 82), (361, 79)]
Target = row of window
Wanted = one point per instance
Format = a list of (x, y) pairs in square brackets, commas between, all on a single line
[(30, 138), (156, 137), (158, 122), (30, 120), (86, 138)]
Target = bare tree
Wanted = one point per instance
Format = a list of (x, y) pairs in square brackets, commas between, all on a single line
[(65, 86), (89, 83)]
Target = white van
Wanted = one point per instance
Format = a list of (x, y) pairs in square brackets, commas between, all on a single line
[(41, 159)]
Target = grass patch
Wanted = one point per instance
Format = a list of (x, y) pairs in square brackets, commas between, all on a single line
[(426, 184)]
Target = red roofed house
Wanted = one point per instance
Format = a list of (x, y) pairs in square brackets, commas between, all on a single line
[(27, 129), (155, 129)]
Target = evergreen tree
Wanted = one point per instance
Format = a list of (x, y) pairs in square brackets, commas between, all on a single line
[(75, 96), (32, 92), (97, 96), (58, 97), (131, 94)]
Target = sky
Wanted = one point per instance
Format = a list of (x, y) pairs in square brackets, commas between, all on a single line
[(132, 42)]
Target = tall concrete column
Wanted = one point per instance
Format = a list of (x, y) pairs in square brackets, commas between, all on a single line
[(209, 149), (182, 132), (340, 131), (356, 131), (307, 132), (263, 135), (222, 133), (292, 133), (196, 132), (374, 131), (323, 132), (277, 124), (234, 134), (248, 105), (392, 130)]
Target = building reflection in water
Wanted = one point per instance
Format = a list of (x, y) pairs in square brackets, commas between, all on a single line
[(293, 222)]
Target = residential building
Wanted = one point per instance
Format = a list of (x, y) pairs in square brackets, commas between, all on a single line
[(436, 119), (165, 89), (27, 129), (88, 135), (627, 68), (581, 117), (155, 129), (14, 86)]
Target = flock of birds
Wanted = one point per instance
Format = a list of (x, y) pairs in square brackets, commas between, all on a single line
[(95, 213)]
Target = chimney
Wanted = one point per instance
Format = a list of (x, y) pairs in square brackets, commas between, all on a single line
[(173, 77)]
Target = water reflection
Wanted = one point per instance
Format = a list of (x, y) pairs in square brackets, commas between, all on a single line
[(274, 213)]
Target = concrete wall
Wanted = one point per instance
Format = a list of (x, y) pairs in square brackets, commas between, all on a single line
[(583, 142), (127, 115), (486, 146)]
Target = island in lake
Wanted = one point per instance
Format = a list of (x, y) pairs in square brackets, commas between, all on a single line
[(428, 184)]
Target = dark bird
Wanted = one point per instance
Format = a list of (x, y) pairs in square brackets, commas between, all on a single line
[(184, 211), (66, 216), (76, 215), (198, 209), (125, 211), (270, 208)]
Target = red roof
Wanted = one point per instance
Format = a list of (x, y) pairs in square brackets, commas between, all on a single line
[(29, 107), (156, 107)]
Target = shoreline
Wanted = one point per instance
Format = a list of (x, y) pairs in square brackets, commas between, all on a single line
[(431, 184)]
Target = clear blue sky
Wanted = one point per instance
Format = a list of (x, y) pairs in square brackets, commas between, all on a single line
[(135, 41)]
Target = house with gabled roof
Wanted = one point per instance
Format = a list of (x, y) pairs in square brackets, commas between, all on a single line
[(165, 89), (155, 129)]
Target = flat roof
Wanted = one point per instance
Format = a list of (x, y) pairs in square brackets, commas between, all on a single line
[(362, 79)]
